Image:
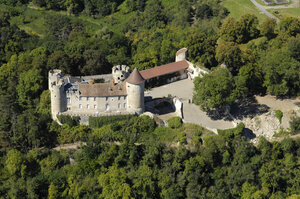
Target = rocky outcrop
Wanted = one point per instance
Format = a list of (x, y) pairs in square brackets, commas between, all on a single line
[(263, 125)]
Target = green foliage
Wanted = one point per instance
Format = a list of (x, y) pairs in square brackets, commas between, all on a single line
[(267, 28), (175, 122), (70, 120), (232, 133), (281, 73), (214, 90), (279, 115), (295, 125), (97, 122)]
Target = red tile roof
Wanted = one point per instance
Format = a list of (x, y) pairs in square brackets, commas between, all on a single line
[(164, 69)]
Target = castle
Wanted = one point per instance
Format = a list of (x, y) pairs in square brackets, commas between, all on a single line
[(121, 92)]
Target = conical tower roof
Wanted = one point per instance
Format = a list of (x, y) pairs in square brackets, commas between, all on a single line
[(135, 77)]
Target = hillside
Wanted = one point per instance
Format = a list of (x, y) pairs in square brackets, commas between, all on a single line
[(248, 58)]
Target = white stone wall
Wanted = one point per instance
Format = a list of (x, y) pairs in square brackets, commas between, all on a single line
[(95, 105)]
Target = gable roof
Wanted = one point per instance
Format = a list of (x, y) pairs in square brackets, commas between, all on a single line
[(135, 77), (164, 69), (102, 89)]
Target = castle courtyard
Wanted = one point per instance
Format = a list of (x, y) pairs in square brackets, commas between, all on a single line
[(183, 89)]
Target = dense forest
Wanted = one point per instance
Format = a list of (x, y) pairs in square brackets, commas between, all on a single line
[(132, 157)]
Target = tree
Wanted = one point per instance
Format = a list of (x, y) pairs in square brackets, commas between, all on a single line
[(281, 73), (59, 59), (231, 30), (267, 28), (202, 49), (29, 87), (230, 54), (153, 15), (214, 90), (293, 47), (249, 25), (113, 184), (144, 184), (290, 25), (204, 11), (96, 63), (13, 162)]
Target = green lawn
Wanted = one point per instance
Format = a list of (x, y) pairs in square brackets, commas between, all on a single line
[(288, 12), (237, 8)]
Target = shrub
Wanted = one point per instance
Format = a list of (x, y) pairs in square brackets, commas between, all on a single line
[(67, 119), (279, 115), (175, 122), (295, 125), (98, 122)]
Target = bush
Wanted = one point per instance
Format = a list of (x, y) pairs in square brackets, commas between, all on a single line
[(175, 122), (279, 115), (67, 119), (229, 134), (295, 125), (98, 122)]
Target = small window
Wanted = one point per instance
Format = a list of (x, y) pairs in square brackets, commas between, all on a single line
[(95, 99), (95, 106), (80, 98), (106, 98), (112, 99), (80, 105), (68, 100), (124, 97), (119, 98), (124, 105), (88, 106), (119, 105), (107, 107), (87, 98)]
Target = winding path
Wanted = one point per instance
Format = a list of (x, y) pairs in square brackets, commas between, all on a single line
[(262, 8)]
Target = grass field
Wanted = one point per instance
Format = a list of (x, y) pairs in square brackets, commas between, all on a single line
[(237, 8), (288, 12)]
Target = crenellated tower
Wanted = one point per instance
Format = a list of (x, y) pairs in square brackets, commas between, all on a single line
[(57, 91)]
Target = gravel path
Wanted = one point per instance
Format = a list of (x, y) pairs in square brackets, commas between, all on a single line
[(263, 9)]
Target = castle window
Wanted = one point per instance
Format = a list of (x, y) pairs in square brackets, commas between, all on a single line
[(88, 106), (119, 105), (87, 98), (94, 99), (95, 106), (68, 100), (106, 98), (124, 97), (124, 105), (80, 98), (119, 98), (80, 105), (107, 107)]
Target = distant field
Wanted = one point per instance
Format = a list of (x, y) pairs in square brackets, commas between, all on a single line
[(288, 12), (237, 8)]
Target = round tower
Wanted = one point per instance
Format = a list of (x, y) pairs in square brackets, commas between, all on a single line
[(181, 55), (56, 87), (135, 85)]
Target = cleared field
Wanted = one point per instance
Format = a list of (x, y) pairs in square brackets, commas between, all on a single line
[(237, 8), (288, 12)]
